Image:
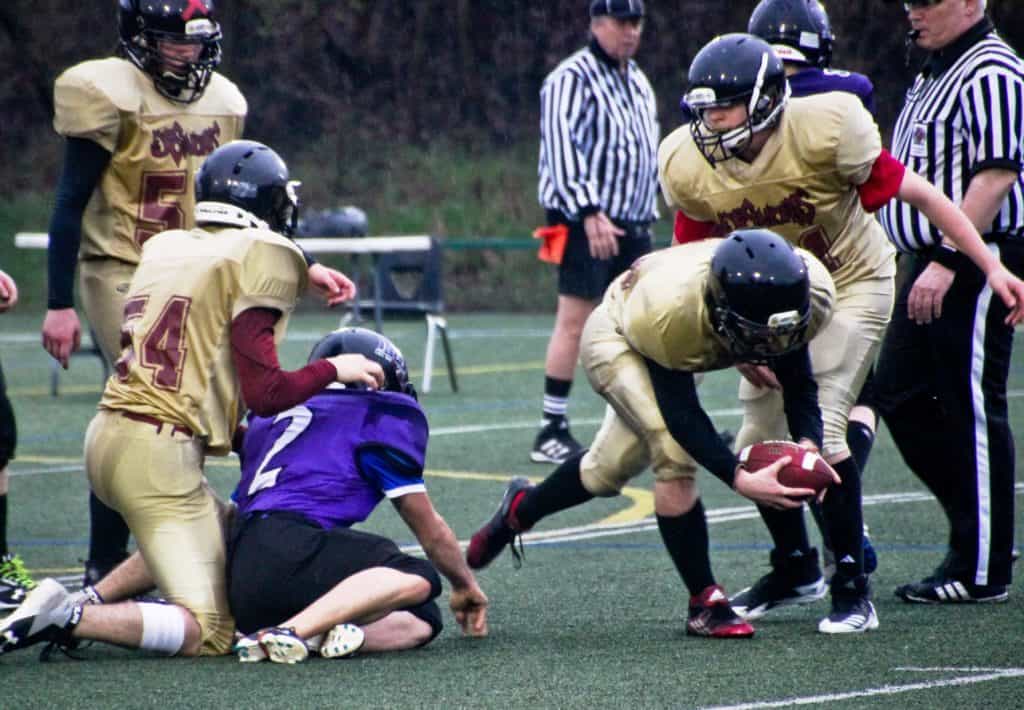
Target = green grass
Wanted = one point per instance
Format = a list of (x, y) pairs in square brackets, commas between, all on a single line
[(594, 622)]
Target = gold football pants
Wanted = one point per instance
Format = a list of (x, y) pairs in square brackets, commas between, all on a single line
[(103, 285), (153, 476), (633, 434), (841, 356)]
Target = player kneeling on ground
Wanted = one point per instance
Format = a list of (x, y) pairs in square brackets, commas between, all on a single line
[(300, 578), (202, 317), (695, 308)]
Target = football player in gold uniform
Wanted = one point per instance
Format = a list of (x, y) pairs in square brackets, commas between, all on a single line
[(704, 306), (137, 127), (202, 317), (813, 169)]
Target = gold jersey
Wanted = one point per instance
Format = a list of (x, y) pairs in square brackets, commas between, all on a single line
[(156, 146), (663, 316), (803, 185), (176, 363)]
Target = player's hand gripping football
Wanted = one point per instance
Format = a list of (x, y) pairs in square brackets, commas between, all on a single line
[(762, 486), (333, 286), (354, 368), (469, 605)]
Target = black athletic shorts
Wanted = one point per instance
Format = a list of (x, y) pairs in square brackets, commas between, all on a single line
[(280, 563), (582, 275)]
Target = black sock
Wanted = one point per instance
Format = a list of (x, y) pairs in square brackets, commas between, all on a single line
[(686, 539), (819, 520), (556, 396), (787, 530), (562, 489), (860, 438), (108, 532), (3, 524), (844, 520)]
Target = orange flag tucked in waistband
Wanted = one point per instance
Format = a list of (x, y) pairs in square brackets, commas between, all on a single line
[(552, 246)]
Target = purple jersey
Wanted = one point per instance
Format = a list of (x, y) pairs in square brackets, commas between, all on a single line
[(812, 80), (310, 459)]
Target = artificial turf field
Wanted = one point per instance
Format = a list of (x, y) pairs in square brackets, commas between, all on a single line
[(594, 618)]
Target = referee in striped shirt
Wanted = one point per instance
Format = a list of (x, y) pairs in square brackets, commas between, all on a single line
[(598, 176), (943, 368)]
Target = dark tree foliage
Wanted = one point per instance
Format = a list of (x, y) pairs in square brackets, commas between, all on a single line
[(355, 73)]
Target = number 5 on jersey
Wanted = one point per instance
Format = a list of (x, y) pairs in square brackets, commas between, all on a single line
[(162, 347)]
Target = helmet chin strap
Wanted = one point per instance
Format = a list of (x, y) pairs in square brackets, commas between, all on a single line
[(223, 213)]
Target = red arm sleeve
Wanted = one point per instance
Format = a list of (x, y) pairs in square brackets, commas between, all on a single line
[(266, 388), (884, 182), (690, 230)]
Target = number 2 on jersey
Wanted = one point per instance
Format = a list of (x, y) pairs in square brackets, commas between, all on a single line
[(300, 419), (163, 345)]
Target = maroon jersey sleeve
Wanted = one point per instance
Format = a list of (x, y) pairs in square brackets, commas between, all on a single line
[(266, 388)]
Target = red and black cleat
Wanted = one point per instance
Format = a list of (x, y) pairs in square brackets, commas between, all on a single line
[(501, 530), (711, 615)]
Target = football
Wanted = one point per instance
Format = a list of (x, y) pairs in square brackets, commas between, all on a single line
[(806, 470)]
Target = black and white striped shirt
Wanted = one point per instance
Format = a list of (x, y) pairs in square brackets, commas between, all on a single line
[(599, 138), (964, 113)]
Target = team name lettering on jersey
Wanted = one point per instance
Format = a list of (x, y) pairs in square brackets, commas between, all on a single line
[(795, 209), (174, 141)]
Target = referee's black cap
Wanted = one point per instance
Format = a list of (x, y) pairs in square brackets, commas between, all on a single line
[(619, 9)]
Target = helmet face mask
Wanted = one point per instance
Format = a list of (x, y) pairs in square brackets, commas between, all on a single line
[(758, 295), (730, 70), (246, 184), (372, 345), (152, 33)]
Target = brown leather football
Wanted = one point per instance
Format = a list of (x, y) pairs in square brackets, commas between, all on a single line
[(806, 470)]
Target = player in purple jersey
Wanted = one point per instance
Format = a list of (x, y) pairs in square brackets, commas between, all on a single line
[(299, 577)]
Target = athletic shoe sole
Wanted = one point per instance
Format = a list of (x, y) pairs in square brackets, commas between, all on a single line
[(342, 641), (851, 623)]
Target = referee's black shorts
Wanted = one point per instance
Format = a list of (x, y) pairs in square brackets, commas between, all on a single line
[(583, 276), (280, 563)]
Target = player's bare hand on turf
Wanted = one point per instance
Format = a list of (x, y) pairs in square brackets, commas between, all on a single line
[(8, 292), (354, 368), (928, 292), (759, 375), (332, 285), (1010, 289), (602, 235), (762, 486), (469, 605), (62, 334)]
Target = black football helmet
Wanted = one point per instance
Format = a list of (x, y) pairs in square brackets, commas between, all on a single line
[(245, 184), (758, 295), (730, 69), (798, 30), (144, 24), (374, 346)]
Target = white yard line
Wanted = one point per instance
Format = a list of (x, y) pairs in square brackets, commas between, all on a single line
[(983, 676)]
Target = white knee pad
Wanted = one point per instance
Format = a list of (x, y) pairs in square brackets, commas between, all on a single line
[(163, 628)]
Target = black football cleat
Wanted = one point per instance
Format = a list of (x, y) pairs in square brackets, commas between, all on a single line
[(488, 542), (792, 581), (951, 591), (711, 616), (554, 443)]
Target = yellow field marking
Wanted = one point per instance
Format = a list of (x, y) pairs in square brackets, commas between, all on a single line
[(64, 389), (49, 459), (488, 369), (641, 501)]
